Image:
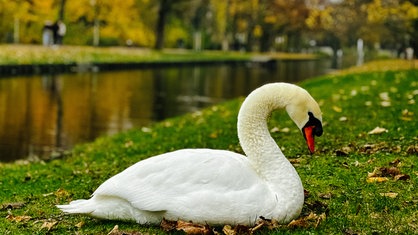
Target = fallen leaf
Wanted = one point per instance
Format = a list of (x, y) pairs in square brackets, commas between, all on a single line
[(168, 225), (276, 129), (325, 195), (146, 129), (186, 227), (299, 223), (402, 177), (384, 171), (263, 222), (344, 151), (377, 130), (116, 231), (129, 144), (391, 195), (413, 149), (376, 179), (373, 148), (337, 109), (214, 135), (61, 193), (343, 119), (295, 160), (384, 96), (19, 218), (312, 220), (191, 228), (395, 162), (80, 224), (48, 225), (228, 230), (285, 130), (12, 205), (385, 104)]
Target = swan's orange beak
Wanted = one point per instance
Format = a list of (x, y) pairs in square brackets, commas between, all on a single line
[(309, 136)]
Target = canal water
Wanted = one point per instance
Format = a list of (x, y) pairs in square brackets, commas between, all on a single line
[(48, 114)]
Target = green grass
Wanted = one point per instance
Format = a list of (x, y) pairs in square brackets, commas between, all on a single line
[(335, 177)]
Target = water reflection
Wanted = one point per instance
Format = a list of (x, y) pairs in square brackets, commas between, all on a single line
[(43, 114)]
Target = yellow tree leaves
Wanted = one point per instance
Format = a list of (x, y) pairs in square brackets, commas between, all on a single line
[(320, 18), (378, 12)]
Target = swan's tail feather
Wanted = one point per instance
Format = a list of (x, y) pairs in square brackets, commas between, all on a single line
[(78, 207)]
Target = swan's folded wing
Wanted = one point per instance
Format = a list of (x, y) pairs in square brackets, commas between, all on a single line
[(187, 178)]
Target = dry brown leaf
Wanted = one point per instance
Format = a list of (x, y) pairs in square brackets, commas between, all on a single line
[(61, 193), (377, 130), (391, 195), (263, 222), (373, 148), (325, 195), (299, 223), (19, 218), (116, 231), (395, 162), (12, 205), (295, 160), (191, 228), (312, 220), (48, 225), (413, 149), (402, 177), (228, 230), (344, 151), (168, 225), (384, 171)]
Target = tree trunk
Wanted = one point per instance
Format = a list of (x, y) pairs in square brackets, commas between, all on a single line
[(61, 10), (162, 17)]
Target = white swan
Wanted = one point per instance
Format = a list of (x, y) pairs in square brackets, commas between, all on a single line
[(216, 186)]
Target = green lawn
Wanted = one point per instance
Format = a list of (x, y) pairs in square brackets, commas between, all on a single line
[(356, 182)]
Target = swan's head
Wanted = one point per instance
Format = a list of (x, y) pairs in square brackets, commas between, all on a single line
[(307, 115)]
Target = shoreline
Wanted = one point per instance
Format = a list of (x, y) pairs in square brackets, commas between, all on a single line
[(34, 59)]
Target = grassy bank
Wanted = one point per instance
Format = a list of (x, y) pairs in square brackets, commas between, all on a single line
[(359, 181), (32, 54)]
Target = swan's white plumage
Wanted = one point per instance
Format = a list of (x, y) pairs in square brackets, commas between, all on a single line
[(213, 186)]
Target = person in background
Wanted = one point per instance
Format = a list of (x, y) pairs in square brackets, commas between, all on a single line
[(47, 34), (59, 30)]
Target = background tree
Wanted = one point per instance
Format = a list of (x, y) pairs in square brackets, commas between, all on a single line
[(252, 25)]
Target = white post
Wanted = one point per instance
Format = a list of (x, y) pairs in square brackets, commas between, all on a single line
[(96, 24), (16, 30)]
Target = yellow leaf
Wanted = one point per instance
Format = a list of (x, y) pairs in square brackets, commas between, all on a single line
[(337, 109), (79, 225), (19, 218), (391, 195), (377, 179)]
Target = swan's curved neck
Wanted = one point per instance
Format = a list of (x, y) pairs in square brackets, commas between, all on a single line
[(254, 136)]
